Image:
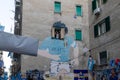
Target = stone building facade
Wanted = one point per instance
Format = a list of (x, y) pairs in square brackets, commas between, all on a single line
[(104, 31), (38, 17)]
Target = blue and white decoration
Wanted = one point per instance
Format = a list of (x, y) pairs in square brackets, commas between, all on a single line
[(112, 63), (2, 28), (80, 74), (91, 63)]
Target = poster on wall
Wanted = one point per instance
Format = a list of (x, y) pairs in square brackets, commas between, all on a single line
[(80, 74)]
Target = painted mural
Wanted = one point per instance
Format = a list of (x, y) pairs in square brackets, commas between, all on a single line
[(56, 48), (59, 52)]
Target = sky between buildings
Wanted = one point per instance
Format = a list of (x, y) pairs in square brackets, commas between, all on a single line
[(7, 14), (7, 19)]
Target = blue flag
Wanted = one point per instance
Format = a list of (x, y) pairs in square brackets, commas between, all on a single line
[(2, 28), (91, 64)]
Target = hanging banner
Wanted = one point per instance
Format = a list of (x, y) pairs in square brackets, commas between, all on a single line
[(91, 63), (18, 44), (80, 74), (112, 63)]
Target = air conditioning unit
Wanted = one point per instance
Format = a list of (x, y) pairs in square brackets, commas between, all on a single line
[(97, 11)]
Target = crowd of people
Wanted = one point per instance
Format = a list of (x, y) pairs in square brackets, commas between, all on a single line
[(114, 75), (29, 75)]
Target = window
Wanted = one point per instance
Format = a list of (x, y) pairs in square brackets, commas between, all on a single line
[(97, 3), (94, 5), (18, 3), (78, 35), (102, 27), (104, 1), (58, 33), (78, 11), (103, 57), (57, 7)]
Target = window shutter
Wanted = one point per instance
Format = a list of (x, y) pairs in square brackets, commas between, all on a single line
[(94, 5), (96, 30), (78, 11), (78, 35), (107, 20), (57, 7)]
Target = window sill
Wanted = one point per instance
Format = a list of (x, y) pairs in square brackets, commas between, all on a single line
[(79, 15), (57, 13), (101, 65), (101, 34), (57, 38), (78, 40)]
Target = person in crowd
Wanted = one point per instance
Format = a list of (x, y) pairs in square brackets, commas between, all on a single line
[(24, 77), (103, 77), (113, 75), (119, 75)]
